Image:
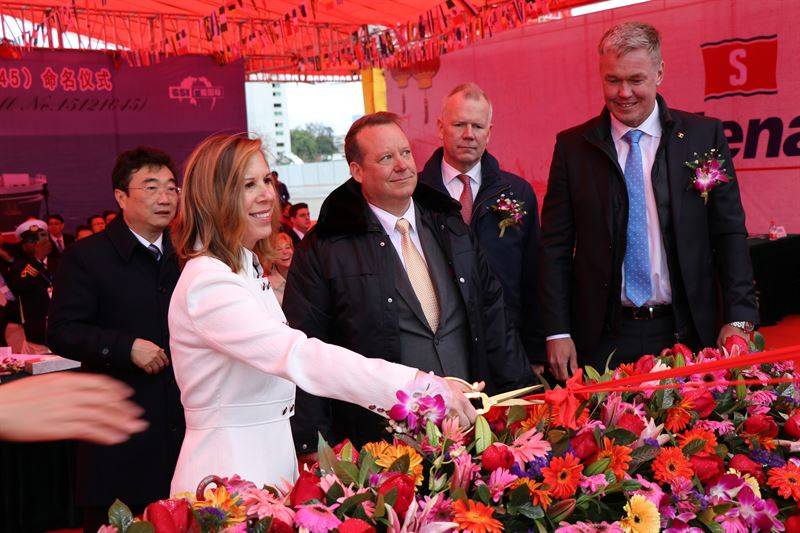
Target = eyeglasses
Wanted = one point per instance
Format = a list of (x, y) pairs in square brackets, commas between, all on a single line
[(153, 190)]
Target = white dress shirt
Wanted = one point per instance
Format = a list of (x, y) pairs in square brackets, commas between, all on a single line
[(389, 223), (158, 242), (455, 186), (659, 270), (648, 144), (59, 242), (299, 233)]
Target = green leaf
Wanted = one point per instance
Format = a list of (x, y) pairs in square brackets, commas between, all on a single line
[(334, 493), (621, 436), (741, 391), (630, 485), (120, 516), (368, 467), (591, 373), (262, 526), (346, 472), (519, 496), (680, 361), (141, 527), (401, 464), (483, 493), (694, 446), (758, 343), (390, 497), (530, 511), (459, 494), (516, 413), (325, 456), (597, 467), (643, 454), (380, 507), (483, 434), (351, 502), (347, 452), (433, 433)]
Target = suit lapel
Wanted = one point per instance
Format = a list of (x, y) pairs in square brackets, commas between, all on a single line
[(406, 291), (600, 137), (677, 154)]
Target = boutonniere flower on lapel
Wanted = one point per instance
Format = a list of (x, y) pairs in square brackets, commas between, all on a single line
[(510, 213), (708, 172)]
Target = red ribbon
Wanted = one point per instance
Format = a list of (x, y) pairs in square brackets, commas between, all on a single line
[(565, 401)]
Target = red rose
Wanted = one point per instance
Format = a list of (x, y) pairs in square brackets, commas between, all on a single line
[(645, 364), (497, 418), (708, 467), (306, 488), (762, 425), (631, 422), (792, 426), (584, 445), (279, 526), (405, 491), (355, 525), (497, 456), (737, 340), (169, 516), (792, 524), (702, 401), (742, 463)]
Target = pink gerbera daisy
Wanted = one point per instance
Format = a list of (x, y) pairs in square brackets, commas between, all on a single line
[(317, 518)]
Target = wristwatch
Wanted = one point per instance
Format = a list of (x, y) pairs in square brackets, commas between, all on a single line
[(747, 327)]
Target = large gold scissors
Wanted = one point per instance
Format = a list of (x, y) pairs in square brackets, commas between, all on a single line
[(505, 399)]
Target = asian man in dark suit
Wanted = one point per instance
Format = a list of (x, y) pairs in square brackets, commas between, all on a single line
[(109, 311)]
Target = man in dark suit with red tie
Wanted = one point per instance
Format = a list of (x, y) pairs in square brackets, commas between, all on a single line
[(632, 255), (465, 170)]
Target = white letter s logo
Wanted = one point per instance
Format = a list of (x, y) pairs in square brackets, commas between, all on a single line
[(740, 78)]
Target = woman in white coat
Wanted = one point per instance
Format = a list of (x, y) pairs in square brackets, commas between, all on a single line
[(235, 359)]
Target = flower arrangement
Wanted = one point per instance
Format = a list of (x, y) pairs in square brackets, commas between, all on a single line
[(708, 172), (715, 448), (11, 365), (510, 212)]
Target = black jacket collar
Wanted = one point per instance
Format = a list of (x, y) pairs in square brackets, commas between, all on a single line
[(344, 211), (125, 242), (432, 172)]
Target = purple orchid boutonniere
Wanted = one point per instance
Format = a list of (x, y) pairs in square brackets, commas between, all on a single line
[(708, 173), (510, 212)]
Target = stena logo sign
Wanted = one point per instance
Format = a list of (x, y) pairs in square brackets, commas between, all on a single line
[(741, 67)]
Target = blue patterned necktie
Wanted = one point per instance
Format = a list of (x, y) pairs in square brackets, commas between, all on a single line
[(637, 253)]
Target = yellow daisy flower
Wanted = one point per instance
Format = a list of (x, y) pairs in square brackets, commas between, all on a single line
[(392, 453), (642, 516)]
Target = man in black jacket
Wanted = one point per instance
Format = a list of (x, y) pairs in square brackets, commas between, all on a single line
[(630, 250), (109, 311), (391, 271), (465, 170)]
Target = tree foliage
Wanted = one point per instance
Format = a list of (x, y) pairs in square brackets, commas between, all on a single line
[(313, 142)]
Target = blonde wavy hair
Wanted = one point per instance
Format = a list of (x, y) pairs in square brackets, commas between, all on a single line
[(211, 218)]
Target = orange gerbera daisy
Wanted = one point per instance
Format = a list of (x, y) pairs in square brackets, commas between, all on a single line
[(620, 457), (539, 496), (698, 433), (376, 449), (562, 475), (475, 517), (536, 414), (670, 464), (677, 418), (394, 452), (786, 480)]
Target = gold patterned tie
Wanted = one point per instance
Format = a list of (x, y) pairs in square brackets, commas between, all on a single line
[(419, 276)]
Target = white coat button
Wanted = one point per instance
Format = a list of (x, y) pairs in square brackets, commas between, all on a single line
[(389, 300), (462, 280), (383, 243)]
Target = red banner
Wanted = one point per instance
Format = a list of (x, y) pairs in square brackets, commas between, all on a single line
[(741, 67)]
